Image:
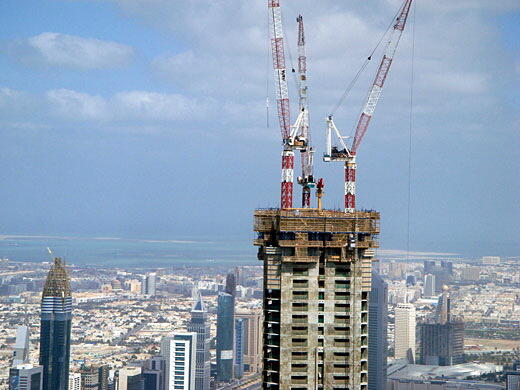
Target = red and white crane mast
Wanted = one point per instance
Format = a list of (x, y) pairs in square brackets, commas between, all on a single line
[(306, 179), (282, 100), (344, 153)]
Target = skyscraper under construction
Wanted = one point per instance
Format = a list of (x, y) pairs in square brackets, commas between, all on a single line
[(317, 278), (56, 315)]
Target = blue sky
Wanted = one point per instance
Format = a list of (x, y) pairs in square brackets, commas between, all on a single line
[(147, 118)]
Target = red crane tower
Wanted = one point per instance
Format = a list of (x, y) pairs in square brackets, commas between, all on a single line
[(293, 137), (348, 154)]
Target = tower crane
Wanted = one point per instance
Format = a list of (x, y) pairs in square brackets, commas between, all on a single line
[(306, 180), (292, 136), (343, 152)]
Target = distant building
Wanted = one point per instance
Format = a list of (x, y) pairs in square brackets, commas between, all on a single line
[(490, 260), (231, 284), (225, 336), (513, 380), (180, 353), (410, 280), (404, 339), (448, 266), (253, 340), (149, 284), (152, 379), (471, 273), (377, 333), (429, 266), (240, 341), (75, 381), (25, 377), (130, 378), (89, 377), (56, 315), (442, 342), (154, 373), (104, 372), (22, 346), (429, 285), (199, 324)]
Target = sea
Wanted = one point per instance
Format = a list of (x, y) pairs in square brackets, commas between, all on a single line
[(129, 252)]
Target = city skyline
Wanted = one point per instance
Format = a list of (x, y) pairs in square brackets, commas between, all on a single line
[(141, 148)]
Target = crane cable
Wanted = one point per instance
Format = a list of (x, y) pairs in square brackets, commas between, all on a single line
[(268, 77), (410, 137), (363, 67)]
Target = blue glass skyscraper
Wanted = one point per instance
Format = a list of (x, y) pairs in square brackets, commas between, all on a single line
[(56, 315), (225, 336)]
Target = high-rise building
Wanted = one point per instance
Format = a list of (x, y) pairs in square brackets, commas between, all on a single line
[(130, 378), (471, 273), (447, 265), (225, 336), (180, 353), (240, 340), (104, 372), (22, 346), (317, 280), (442, 342), (490, 260), (253, 340), (404, 338), (513, 380), (231, 284), (56, 315), (239, 276), (75, 381), (377, 333), (89, 377), (149, 284), (429, 266), (152, 379), (429, 285), (199, 324), (155, 370), (25, 376)]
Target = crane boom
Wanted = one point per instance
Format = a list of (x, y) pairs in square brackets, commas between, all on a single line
[(382, 73), (282, 100), (348, 155), (307, 179)]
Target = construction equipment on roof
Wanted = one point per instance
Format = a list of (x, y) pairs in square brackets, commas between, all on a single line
[(343, 152)]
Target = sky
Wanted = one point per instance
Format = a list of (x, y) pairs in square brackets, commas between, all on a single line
[(147, 118)]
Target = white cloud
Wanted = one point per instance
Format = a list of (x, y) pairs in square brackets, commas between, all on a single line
[(157, 106), (68, 104), (70, 51), (136, 111)]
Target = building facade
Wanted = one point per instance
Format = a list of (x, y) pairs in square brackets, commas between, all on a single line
[(25, 377), (404, 339), (180, 353), (429, 285), (317, 280), (75, 381), (56, 315), (377, 333), (199, 324), (240, 341), (225, 336), (442, 342), (253, 340)]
